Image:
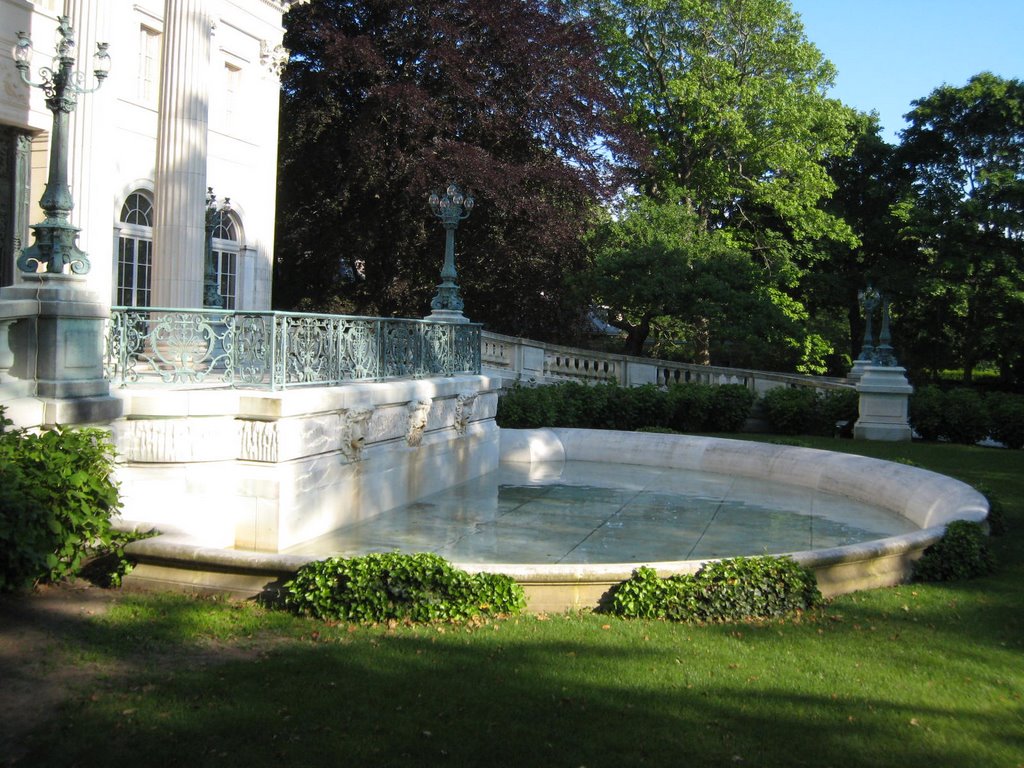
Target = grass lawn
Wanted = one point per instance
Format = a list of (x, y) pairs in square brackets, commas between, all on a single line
[(919, 675)]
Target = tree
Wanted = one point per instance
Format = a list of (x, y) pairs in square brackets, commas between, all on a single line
[(648, 262), (964, 149), (661, 274), (732, 99), (385, 101), (872, 196)]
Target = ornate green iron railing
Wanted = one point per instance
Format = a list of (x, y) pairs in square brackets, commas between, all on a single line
[(277, 350)]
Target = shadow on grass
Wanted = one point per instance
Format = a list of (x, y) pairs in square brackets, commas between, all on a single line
[(529, 693)]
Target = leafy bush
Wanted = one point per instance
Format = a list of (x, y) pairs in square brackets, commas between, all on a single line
[(966, 420), (730, 408), (683, 407), (1006, 417), (926, 412), (840, 406), (56, 502), (958, 415), (378, 587), (996, 511), (961, 553), (528, 408), (795, 411), (725, 590), (645, 406), (688, 406)]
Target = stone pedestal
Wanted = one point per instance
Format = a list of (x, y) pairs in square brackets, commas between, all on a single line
[(55, 349), (884, 395), (857, 371)]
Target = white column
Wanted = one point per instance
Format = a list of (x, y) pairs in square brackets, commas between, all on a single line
[(90, 144), (179, 234)]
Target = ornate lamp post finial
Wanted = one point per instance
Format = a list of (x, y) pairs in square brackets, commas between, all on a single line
[(451, 208), (56, 249)]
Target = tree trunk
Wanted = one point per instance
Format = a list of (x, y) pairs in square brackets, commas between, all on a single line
[(636, 335), (702, 342)]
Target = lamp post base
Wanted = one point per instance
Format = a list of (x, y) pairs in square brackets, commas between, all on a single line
[(446, 316)]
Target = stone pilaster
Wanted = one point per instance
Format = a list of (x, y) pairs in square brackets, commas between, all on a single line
[(179, 235)]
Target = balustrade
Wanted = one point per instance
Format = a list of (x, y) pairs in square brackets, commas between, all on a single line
[(276, 350), (506, 354)]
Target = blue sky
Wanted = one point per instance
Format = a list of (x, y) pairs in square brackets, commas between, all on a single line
[(890, 52)]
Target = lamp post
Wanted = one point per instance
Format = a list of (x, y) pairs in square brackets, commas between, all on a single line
[(55, 248), (884, 353), (869, 299), (215, 209), (451, 208)]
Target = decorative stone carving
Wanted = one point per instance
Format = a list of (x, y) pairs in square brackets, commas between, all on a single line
[(419, 413), (354, 423), (259, 441), (178, 440), (465, 404), (273, 58)]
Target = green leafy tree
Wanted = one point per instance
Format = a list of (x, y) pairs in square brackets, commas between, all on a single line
[(873, 197), (731, 97), (661, 274), (385, 101), (964, 149)]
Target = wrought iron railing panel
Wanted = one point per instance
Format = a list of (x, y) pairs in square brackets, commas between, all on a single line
[(278, 350)]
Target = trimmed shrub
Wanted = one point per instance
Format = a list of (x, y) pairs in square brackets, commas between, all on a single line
[(840, 406), (966, 420), (961, 553), (688, 406), (380, 587), (795, 411), (726, 590), (683, 407), (958, 415), (996, 511), (1006, 417), (644, 406), (926, 412), (56, 502), (730, 408)]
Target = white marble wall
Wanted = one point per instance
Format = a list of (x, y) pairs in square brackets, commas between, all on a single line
[(265, 471)]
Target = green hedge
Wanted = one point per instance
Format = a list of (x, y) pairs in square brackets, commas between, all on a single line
[(964, 416), (682, 407), (380, 587), (57, 498), (726, 590), (805, 411)]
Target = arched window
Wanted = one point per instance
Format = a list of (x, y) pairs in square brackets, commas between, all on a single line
[(225, 255), (135, 251)]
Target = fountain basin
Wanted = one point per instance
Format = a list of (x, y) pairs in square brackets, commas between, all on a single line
[(925, 499)]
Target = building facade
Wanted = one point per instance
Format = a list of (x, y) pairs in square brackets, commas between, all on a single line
[(191, 103)]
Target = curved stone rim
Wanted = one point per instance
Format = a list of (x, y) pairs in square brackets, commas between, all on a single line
[(928, 499)]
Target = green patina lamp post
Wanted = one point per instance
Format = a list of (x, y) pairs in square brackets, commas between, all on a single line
[(451, 208), (869, 299), (215, 209), (55, 248)]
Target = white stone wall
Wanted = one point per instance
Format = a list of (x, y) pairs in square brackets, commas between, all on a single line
[(268, 470)]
